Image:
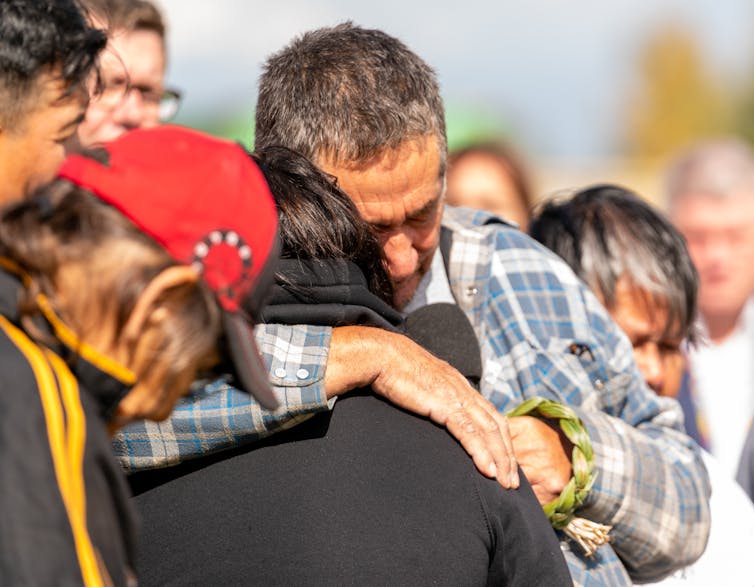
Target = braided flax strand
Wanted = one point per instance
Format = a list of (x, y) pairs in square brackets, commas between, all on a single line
[(561, 511)]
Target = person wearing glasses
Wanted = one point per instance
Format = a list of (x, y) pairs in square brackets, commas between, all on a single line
[(132, 91)]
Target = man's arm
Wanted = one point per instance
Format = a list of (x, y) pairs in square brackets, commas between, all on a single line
[(651, 484), (543, 333), (309, 366), (216, 416), (415, 380), (653, 488)]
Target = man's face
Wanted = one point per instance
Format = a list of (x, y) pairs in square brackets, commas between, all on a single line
[(32, 151), (720, 236), (400, 195), (133, 73), (657, 354)]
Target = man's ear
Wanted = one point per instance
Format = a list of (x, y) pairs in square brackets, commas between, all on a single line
[(146, 312)]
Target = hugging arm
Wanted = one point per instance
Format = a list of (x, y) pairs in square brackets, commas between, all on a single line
[(308, 366), (651, 483)]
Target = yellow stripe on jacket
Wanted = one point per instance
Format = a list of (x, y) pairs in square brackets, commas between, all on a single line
[(66, 434)]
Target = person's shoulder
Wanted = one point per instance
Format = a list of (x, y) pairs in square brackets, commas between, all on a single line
[(495, 240), (460, 218), (467, 224)]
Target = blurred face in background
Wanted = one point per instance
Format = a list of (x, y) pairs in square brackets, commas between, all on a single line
[(32, 149), (480, 181), (657, 352), (133, 76), (720, 236)]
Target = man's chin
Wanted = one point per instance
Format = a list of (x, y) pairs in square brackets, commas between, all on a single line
[(403, 293)]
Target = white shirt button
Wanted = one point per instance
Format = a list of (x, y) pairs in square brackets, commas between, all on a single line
[(302, 373), (280, 372)]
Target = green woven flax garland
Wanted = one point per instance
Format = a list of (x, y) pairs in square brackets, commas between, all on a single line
[(562, 510)]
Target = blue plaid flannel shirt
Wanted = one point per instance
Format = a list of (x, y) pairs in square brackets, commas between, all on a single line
[(542, 333)]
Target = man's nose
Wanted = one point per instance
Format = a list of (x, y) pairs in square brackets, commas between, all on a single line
[(402, 257)]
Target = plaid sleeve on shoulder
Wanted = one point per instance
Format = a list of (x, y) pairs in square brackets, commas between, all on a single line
[(543, 333), (216, 416)]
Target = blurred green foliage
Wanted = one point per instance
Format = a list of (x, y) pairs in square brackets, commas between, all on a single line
[(679, 99), (235, 126)]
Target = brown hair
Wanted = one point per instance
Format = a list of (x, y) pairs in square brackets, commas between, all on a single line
[(63, 231), (318, 220), (128, 15)]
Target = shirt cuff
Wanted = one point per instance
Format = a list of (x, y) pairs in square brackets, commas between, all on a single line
[(296, 359)]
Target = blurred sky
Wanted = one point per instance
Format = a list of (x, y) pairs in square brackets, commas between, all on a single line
[(554, 74)]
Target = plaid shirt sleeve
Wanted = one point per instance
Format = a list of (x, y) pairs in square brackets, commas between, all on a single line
[(216, 416), (543, 333)]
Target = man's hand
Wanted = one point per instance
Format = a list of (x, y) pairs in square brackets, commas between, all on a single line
[(544, 455), (414, 379)]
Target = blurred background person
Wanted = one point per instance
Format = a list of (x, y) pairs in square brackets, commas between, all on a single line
[(47, 55), (637, 263), (133, 68), (490, 176), (710, 191)]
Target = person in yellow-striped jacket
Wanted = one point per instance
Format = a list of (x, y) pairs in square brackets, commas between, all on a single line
[(119, 282)]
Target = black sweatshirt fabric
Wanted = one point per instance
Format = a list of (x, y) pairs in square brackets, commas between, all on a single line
[(364, 495), (37, 540), (326, 293)]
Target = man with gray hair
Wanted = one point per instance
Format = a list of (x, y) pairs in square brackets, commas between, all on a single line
[(637, 263), (368, 110), (710, 191)]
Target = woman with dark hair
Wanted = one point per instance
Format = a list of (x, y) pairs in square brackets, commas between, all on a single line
[(365, 494)]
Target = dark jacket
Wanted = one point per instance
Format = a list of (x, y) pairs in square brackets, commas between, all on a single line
[(65, 517), (364, 495)]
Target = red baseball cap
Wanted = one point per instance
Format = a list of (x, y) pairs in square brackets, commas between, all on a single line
[(206, 201)]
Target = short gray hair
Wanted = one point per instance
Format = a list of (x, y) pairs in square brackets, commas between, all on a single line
[(346, 94), (715, 168), (605, 232)]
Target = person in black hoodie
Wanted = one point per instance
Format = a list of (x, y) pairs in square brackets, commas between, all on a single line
[(108, 309), (367, 494)]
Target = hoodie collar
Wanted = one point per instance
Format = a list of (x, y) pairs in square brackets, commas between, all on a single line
[(327, 292)]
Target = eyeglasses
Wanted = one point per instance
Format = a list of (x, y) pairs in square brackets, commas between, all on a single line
[(170, 102), (165, 103)]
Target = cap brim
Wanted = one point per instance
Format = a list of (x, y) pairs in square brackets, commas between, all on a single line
[(247, 362)]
